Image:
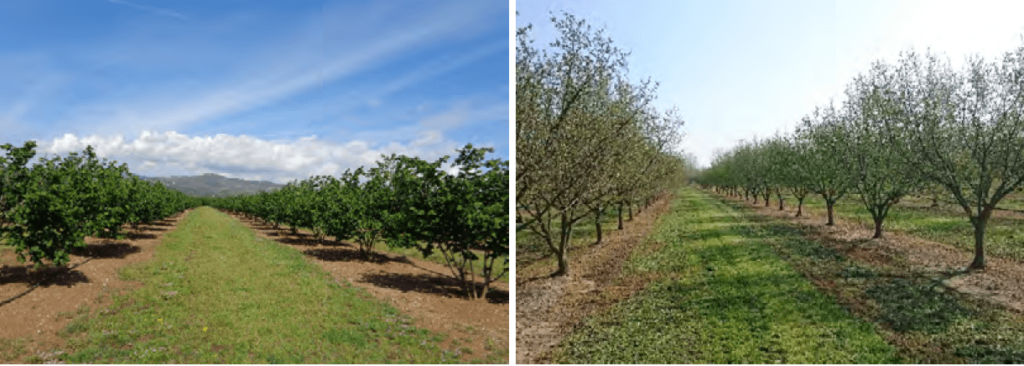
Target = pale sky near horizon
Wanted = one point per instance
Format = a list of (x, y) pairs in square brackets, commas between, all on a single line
[(273, 90), (742, 68)]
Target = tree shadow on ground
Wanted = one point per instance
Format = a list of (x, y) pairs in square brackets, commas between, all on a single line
[(304, 239), (428, 284), (309, 241), (108, 250), (350, 255), (48, 276), (44, 277), (496, 296), (139, 235), (299, 241)]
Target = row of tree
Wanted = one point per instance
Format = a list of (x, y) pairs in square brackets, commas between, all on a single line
[(587, 138), (406, 202), (917, 125), (49, 207)]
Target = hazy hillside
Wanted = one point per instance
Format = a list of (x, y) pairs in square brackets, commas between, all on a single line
[(213, 185)]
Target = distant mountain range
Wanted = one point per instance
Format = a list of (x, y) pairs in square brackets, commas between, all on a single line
[(213, 185)]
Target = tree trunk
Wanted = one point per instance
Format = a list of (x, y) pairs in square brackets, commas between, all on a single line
[(755, 198), (780, 202), (878, 228), (620, 216), (935, 200), (597, 223), (979, 242), (799, 206), (831, 220), (563, 249), (483, 291), (563, 266)]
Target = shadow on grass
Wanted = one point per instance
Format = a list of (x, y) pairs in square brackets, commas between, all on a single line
[(909, 305)]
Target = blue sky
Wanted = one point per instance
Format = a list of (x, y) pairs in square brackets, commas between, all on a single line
[(738, 69), (273, 90)]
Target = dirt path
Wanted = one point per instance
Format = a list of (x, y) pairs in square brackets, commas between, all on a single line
[(38, 313), (419, 288), (548, 309), (1001, 283)]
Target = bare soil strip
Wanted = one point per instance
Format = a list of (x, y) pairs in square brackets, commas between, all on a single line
[(419, 288), (549, 308), (44, 300), (1001, 282)]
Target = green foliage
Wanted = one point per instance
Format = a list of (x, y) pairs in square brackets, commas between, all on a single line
[(53, 205), (409, 203), (13, 178), (586, 136), (908, 127), (462, 216)]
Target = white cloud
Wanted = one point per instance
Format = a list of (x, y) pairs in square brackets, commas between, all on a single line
[(246, 156)]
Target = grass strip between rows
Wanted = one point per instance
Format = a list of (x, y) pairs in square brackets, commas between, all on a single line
[(740, 287), (215, 293), (725, 297)]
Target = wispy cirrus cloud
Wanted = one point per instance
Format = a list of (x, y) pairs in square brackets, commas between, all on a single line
[(151, 9), (438, 67), (258, 90), (289, 67)]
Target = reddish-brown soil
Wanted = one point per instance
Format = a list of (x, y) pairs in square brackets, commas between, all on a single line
[(419, 288), (999, 283), (37, 303), (549, 308)]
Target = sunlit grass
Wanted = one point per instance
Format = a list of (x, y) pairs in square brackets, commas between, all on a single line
[(216, 293), (927, 322), (730, 299)]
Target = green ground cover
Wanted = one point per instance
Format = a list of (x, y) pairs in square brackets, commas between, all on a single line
[(735, 286), (216, 293), (730, 299)]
